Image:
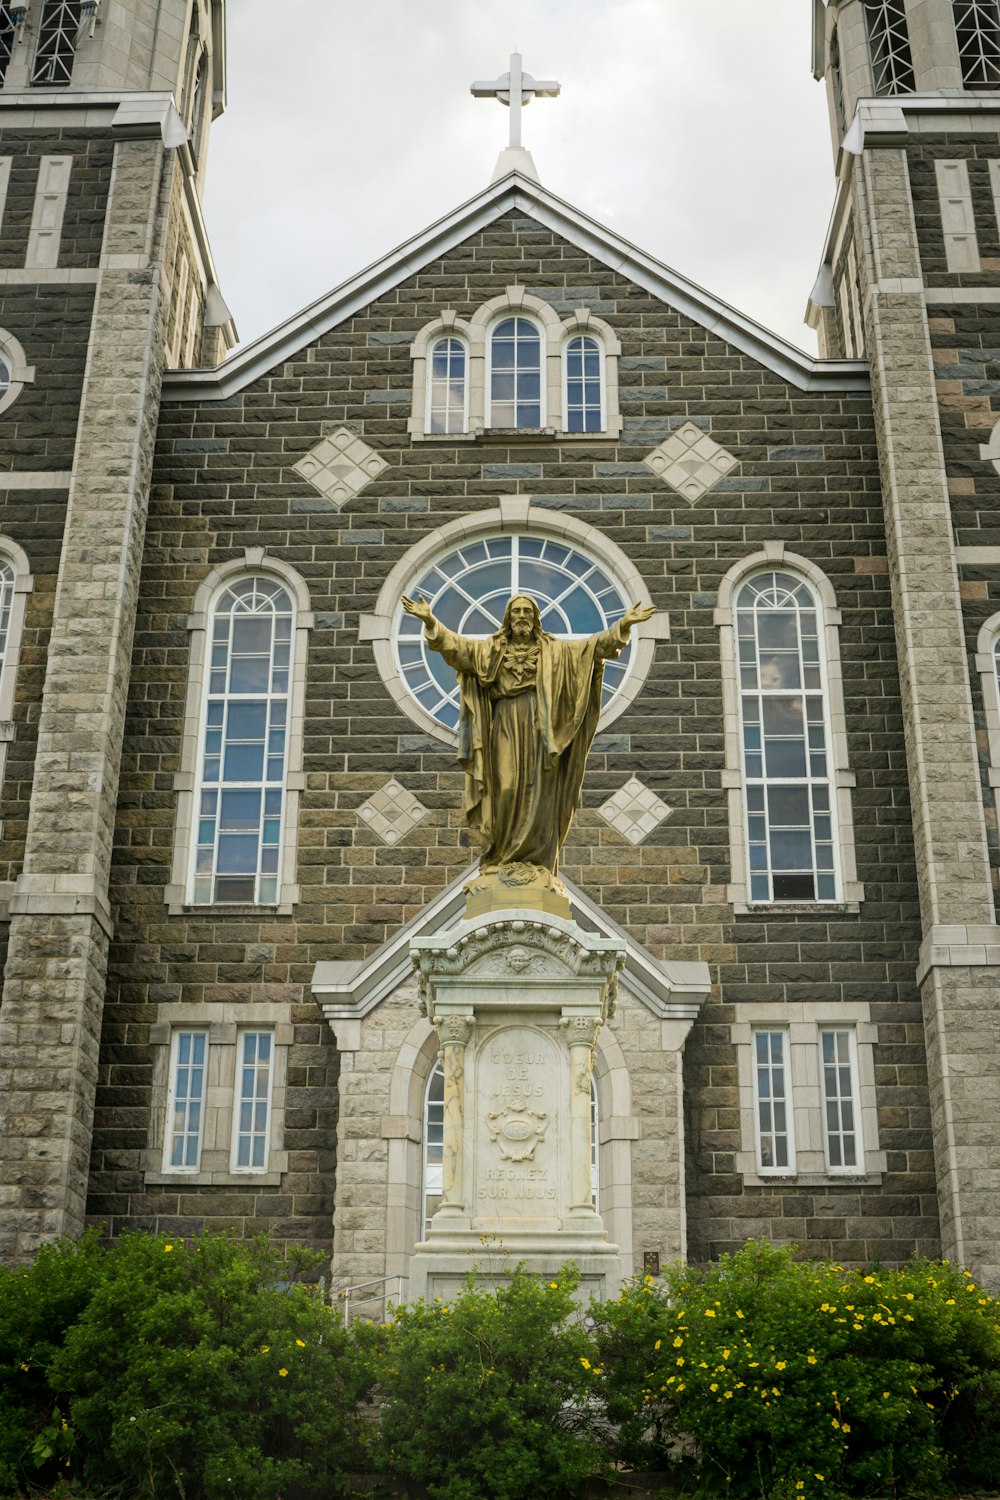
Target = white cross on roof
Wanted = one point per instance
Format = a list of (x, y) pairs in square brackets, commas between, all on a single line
[(515, 89)]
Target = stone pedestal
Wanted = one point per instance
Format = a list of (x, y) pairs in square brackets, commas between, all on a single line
[(517, 998)]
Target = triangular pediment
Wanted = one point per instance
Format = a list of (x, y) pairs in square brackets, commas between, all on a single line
[(349, 990), (520, 194)]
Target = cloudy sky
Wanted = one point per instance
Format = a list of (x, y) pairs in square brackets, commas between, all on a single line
[(692, 127)]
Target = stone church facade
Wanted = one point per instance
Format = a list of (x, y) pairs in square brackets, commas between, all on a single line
[(230, 799)]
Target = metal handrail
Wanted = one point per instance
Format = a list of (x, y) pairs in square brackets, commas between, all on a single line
[(345, 1292)]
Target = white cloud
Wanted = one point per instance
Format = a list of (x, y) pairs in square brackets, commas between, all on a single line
[(692, 127)]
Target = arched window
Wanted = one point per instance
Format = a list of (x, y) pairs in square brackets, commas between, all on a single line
[(889, 46), (584, 385), (447, 389), (433, 1143), (783, 719), (244, 729), (240, 775), (977, 30), (515, 365), (15, 585), (468, 589), (787, 771)]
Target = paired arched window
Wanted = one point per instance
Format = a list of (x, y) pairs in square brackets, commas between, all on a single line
[(787, 773), (237, 815), (515, 365)]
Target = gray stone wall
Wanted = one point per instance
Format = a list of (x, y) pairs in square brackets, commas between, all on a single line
[(807, 475), (83, 221)]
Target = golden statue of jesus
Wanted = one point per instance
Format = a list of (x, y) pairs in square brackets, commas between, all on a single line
[(528, 712)]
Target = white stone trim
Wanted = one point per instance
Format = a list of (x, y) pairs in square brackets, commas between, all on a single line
[(803, 1021), (775, 556), (958, 223), (513, 513), (5, 166), (254, 560), (223, 1023), (47, 215), (21, 374)]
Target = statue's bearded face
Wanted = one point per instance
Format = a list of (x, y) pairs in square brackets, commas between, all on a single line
[(522, 619)]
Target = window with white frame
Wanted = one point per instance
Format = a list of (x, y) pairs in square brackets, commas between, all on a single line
[(775, 1146), (241, 776), (584, 398), (15, 585), (433, 1143), (468, 589), (15, 372), (515, 398), (977, 30), (889, 46), (515, 365), (241, 792), (58, 30), (988, 666), (807, 1091), (784, 724), (840, 1098), (187, 1101), (447, 389), (218, 1093)]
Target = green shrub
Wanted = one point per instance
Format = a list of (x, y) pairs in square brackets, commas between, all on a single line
[(194, 1369), (489, 1397), (774, 1377)]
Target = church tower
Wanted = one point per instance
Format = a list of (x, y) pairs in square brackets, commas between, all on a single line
[(911, 282), (106, 278)]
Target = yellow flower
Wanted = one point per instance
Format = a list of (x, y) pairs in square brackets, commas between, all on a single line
[(657, 1344), (780, 1364), (681, 1360), (585, 1362), (678, 1341), (845, 1426), (819, 1477), (810, 1359), (950, 1302), (167, 1248), (300, 1343), (709, 1312), (728, 1395), (282, 1372), (738, 1313), (800, 1484), (885, 1395), (714, 1386), (553, 1286), (265, 1348), (25, 1367)]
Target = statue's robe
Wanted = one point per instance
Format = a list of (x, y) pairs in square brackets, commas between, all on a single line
[(523, 743)]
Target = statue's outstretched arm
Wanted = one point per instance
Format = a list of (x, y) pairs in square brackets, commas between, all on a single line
[(422, 610)]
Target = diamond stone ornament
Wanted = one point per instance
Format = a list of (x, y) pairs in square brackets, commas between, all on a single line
[(690, 461), (340, 466), (392, 812), (634, 811)]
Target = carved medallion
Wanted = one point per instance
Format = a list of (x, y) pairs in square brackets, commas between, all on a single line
[(517, 1129)]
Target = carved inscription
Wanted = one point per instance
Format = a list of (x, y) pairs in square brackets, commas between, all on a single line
[(519, 1084)]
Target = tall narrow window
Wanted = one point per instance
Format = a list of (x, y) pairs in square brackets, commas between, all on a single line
[(775, 1148), (240, 798), (447, 387), (516, 374), (584, 393), (57, 33), (7, 34), (785, 737), (977, 28), (187, 1098), (889, 45), (251, 1116), (841, 1133), (7, 578), (595, 1148), (433, 1143)]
